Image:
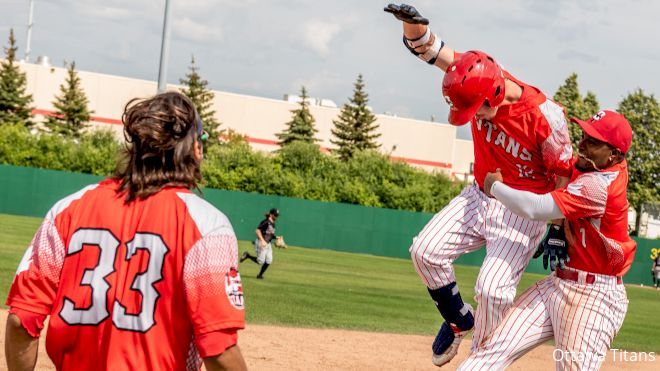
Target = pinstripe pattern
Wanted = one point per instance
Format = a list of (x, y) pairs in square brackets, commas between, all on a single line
[(583, 319), (467, 223)]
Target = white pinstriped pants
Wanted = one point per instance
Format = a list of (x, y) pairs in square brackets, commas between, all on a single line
[(583, 319), (468, 222)]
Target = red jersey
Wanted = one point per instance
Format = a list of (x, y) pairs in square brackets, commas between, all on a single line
[(527, 140), (131, 286), (596, 207)]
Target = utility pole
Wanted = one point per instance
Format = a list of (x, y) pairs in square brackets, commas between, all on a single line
[(164, 49), (29, 32)]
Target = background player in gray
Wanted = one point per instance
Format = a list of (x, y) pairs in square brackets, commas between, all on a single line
[(262, 245), (655, 272)]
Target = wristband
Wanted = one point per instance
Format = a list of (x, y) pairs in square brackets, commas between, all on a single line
[(431, 54), (414, 43)]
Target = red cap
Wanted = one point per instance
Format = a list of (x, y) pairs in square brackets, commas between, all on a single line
[(471, 80), (609, 127)]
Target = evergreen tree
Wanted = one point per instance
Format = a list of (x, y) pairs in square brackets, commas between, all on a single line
[(196, 89), (71, 112), (568, 95), (356, 126), (14, 102), (301, 126), (643, 113)]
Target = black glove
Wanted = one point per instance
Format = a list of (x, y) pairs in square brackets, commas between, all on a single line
[(406, 13), (554, 248), (539, 251)]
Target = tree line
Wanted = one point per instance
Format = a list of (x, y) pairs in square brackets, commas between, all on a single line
[(354, 134)]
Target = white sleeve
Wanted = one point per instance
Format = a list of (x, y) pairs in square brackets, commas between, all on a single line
[(527, 204)]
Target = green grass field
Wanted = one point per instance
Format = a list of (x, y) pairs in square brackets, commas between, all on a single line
[(328, 289)]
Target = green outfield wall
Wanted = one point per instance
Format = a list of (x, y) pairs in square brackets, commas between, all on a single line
[(343, 227)]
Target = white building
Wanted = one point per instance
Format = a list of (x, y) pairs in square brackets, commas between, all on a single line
[(425, 144)]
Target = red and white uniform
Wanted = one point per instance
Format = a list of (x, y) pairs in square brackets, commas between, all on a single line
[(596, 207), (529, 142), (149, 285), (582, 307)]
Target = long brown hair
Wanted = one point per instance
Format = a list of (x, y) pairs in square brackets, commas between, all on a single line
[(160, 137)]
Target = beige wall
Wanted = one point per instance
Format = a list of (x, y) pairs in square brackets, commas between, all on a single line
[(431, 146)]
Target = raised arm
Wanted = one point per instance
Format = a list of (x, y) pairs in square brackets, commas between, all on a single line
[(418, 37)]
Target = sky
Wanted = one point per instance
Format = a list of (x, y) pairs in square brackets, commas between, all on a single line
[(269, 48)]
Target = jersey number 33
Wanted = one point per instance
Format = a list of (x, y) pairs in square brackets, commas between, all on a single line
[(95, 278)]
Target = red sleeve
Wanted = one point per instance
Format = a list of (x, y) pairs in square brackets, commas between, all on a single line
[(556, 146), (212, 285), (215, 343), (37, 278), (584, 197), (32, 322)]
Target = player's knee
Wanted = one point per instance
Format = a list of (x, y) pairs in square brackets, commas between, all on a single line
[(416, 253), (414, 247), (422, 258), (487, 290), (420, 252)]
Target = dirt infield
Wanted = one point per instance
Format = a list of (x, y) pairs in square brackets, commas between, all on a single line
[(281, 348)]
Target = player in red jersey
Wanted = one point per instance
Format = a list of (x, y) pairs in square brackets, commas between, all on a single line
[(136, 272), (583, 304), (515, 127)]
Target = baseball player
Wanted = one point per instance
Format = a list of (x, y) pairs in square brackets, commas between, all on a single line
[(262, 244), (583, 305), (515, 127), (655, 271), (136, 272)]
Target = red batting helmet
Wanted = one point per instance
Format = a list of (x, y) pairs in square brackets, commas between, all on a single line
[(471, 80)]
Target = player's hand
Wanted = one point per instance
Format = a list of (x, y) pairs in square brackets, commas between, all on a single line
[(555, 248), (263, 244), (490, 179), (406, 13), (539, 251)]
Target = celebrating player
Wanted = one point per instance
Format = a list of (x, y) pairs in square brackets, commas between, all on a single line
[(136, 272), (515, 128), (583, 305), (262, 244)]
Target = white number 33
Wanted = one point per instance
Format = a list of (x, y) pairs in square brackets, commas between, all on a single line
[(95, 278)]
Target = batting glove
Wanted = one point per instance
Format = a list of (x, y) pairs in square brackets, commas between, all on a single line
[(555, 248), (406, 13)]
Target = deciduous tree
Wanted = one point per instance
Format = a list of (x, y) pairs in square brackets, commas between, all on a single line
[(643, 113)]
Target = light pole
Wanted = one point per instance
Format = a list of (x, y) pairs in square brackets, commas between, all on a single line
[(29, 32), (164, 49)]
